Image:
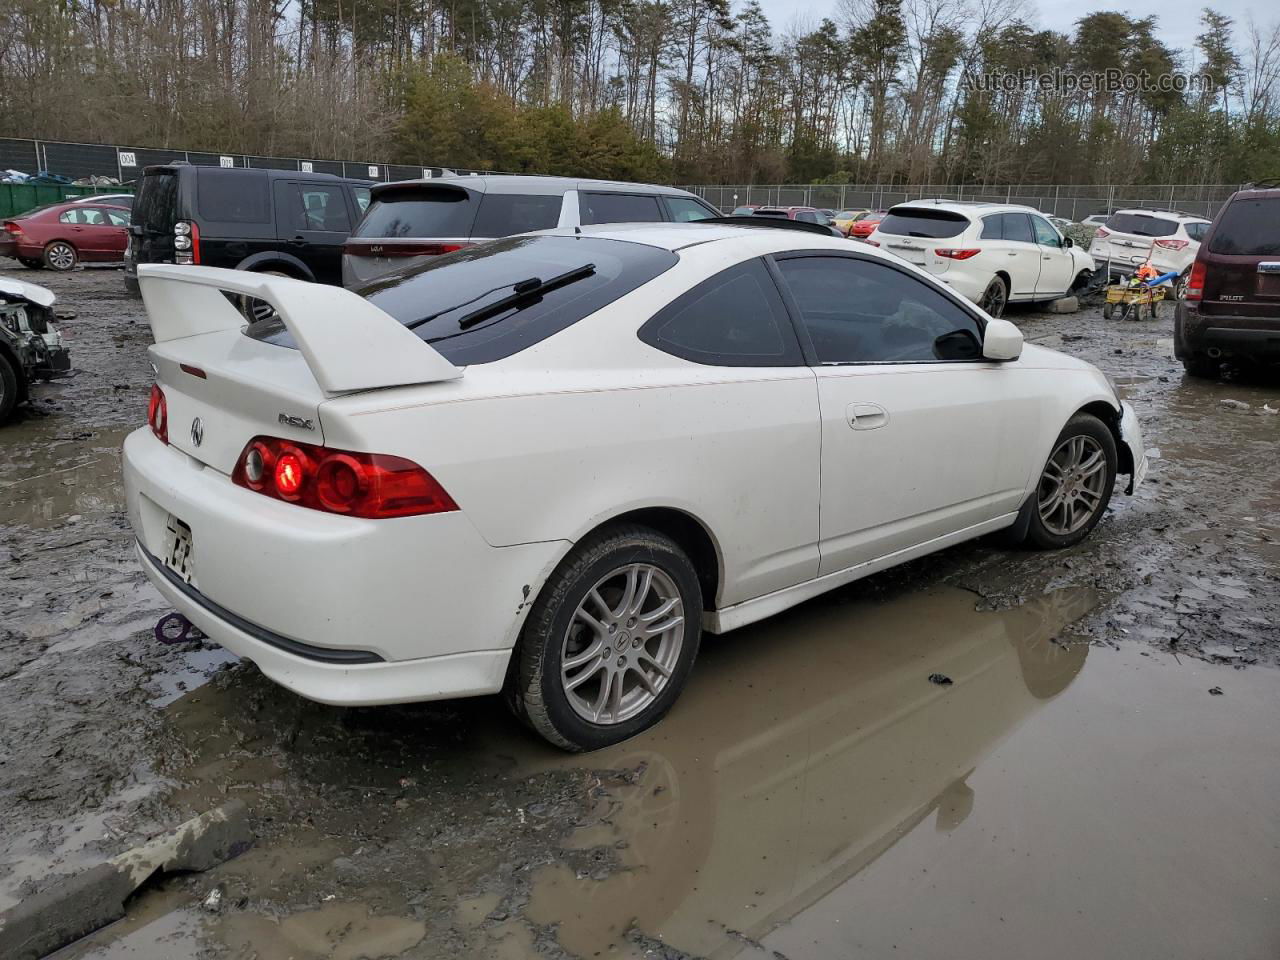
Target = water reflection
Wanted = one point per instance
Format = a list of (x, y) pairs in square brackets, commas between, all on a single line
[(804, 750)]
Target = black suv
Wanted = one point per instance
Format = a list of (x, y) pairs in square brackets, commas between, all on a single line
[(244, 218)]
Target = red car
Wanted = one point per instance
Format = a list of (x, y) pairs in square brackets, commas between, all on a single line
[(804, 214), (61, 235), (863, 228)]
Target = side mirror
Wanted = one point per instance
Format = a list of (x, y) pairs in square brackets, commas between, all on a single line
[(1068, 242), (1002, 341)]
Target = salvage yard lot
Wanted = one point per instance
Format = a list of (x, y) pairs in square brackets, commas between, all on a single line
[(812, 794)]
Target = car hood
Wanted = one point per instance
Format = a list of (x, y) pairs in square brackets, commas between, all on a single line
[(17, 291)]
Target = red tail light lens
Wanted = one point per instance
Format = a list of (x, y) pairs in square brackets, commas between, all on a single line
[(13, 228), (158, 414), (1195, 282), (1172, 244), (1102, 233), (370, 485), (956, 253)]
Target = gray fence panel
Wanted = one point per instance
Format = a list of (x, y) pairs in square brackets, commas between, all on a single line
[(146, 157), (18, 155), (272, 163), (400, 171), (76, 160)]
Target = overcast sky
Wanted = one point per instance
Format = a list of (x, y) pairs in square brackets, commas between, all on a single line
[(1178, 18)]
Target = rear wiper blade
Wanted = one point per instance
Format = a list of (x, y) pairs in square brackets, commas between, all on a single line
[(458, 306), (524, 290)]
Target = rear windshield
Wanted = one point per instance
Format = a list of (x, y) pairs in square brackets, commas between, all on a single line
[(156, 206), (912, 222), (443, 300), (1142, 225), (1247, 228), (429, 212)]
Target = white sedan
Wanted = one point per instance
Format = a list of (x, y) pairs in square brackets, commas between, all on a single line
[(545, 464)]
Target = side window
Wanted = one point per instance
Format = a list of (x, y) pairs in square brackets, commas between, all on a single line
[(686, 209), (362, 198), (860, 311), (991, 228), (324, 208), (1017, 227), (1046, 236), (1196, 230), (502, 214), (734, 319), (94, 217), (233, 196), (70, 216), (118, 219), (619, 208)]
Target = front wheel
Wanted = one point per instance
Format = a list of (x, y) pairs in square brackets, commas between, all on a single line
[(1075, 484), (995, 297), (60, 255), (610, 640)]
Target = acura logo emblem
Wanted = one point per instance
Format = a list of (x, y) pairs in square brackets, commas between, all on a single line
[(197, 432)]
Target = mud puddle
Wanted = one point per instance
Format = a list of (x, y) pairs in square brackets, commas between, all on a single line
[(814, 793)]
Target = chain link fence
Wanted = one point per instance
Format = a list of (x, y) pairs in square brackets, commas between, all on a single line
[(1072, 201), (77, 161)]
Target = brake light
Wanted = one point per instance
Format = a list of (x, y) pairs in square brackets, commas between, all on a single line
[(957, 253), (370, 485), (158, 414), (1195, 282), (1172, 244), (1102, 232), (401, 248), (13, 228), (186, 242)]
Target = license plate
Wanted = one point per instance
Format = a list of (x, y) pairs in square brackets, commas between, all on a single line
[(178, 549)]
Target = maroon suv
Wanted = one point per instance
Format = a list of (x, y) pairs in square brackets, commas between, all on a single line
[(1232, 306)]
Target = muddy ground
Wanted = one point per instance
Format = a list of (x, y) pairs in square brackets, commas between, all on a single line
[(1078, 790)]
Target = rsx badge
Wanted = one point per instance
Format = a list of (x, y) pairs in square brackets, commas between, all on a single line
[(300, 422)]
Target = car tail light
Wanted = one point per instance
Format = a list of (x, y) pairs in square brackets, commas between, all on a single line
[(186, 242), (367, 248), (13, 228), (370, 485), (1195, 283), (1102, 233), (958, 253), (1172, 244), (158, 414)]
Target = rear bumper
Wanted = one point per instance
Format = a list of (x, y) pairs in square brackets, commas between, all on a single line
[(969, 285), (1246, 338), (433, 608)]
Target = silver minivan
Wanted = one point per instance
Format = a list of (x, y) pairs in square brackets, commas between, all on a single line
[(409, 221)]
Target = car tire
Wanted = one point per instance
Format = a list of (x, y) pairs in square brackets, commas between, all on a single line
[(1180, 285), (31, 263), (61, 256), (1082, 281), (583, 610), (8, 388), (1201, 367), (1083, 463), (995, 298)]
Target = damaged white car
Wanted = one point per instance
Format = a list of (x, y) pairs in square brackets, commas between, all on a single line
[(31, 347), (545, 464)]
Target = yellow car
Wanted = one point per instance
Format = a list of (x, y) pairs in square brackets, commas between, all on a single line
[(845, 218)]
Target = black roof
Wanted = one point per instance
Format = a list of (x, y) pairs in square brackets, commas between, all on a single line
[(271, 173), (777, 223)]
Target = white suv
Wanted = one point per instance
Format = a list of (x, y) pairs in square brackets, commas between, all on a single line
[(991, 253), (1170, 239)]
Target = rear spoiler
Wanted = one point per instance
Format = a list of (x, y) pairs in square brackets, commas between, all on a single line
[(348, 343)]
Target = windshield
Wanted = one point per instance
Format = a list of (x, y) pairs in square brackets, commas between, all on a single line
[(493, 300)]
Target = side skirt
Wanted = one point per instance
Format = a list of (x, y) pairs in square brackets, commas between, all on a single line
[(749, 611)]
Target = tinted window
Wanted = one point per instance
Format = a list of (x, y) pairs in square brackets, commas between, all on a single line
[(619, 208), (156, 206), (1141, 224), (1248, 228), (923, 222), (231, 196), (310, 207), (1045, 234), (734, 319), (502, 214), (1017, 227), (451, 289), (429, 212), (1196, 231), (686, 209), (805, 216), (858, 311), (992, 228)]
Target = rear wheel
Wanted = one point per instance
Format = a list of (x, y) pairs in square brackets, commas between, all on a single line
[(60, 255), (1180, 284), (1202, 367), (8, 388), (610, 640), (1075, 485), (995, 298)]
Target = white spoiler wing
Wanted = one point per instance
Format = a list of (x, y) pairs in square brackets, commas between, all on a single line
[(348, 343)]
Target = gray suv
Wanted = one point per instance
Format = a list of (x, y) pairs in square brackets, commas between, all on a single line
[(410, 221)]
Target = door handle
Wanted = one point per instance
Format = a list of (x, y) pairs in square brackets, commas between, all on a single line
[(1012, 253), (297, 241), (1046, 257), (866, 416)]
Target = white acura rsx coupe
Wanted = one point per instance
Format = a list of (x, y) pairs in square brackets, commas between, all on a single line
[(545, 464)]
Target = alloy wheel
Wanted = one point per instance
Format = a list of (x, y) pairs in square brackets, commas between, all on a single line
[(61, 256), (993, 300), (622, 644), (1072, 486)]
